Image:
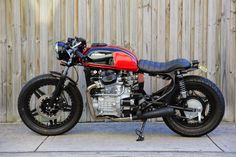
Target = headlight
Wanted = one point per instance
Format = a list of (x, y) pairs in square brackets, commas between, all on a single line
[(60, 49)]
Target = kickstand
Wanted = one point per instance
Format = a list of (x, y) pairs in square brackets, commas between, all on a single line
[(140, 132)]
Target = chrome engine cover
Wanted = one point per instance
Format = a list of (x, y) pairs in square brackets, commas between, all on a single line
[(108, 102)]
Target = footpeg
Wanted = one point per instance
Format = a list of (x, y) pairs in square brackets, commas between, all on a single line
[(140, 132)]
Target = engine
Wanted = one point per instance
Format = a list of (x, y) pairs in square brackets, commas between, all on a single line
[(113, 93)]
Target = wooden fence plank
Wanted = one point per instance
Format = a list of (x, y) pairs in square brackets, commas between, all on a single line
[(126, 24), (197, 30), (197, 53), (154, 37), (140, 29), (192, 28), (101, 21), (232, 41), (186, 29), (218, 39), (95, 21), (204, 34), (147, 40), (211, 47), (133, 25), (51, 55), (16, 62), (161, 42), (179, 28), (225, 49), (76, 16), (88, 21), (82, 8), (69, 19), (56, 30), (37, 37), (231, 17), (24, 19), (43, 37), (3, 63), (10, 46), (173, 53), (107, 21), (31, 34), (113, 22), (161, 25), (63, 19), (119, 22)]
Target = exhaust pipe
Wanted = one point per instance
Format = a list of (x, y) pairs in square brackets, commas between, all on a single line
[(89, 100), (161, 112)]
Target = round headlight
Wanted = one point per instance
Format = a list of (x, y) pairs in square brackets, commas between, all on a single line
[(59, 46), (60, 49)]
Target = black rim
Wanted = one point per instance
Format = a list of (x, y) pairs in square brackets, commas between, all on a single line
[(59, 114), (199, 93)]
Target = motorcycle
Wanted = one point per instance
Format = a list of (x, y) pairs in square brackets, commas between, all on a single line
[(51, 104)]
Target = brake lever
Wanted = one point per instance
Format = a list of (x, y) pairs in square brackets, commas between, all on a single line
[(75, 46)]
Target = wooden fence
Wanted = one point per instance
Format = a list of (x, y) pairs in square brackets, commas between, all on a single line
[(158, 30)]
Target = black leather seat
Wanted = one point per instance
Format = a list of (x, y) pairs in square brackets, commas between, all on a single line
[(98, 44), (163, 67)]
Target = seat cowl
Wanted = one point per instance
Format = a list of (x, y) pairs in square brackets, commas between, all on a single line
[(152, 67)]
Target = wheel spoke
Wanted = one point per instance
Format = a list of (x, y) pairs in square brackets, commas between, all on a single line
[(53, 122), (67, 108), (34, 112), (202, 96), (38, 93)]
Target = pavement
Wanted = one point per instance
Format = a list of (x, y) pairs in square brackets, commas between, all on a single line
[(116, 139)]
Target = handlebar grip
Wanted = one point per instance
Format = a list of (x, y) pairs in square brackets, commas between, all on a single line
[(80, 55)]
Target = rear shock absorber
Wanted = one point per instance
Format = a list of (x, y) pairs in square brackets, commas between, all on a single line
[(182, 86)]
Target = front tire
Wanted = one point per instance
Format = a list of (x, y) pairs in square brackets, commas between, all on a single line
[(56, 119), (213, 108)]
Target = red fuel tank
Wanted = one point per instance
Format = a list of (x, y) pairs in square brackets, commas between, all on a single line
[(111, 57)]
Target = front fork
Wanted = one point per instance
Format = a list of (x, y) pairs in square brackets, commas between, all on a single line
[(59, 86)]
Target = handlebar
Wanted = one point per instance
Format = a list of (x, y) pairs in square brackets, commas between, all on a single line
[(75, 48)]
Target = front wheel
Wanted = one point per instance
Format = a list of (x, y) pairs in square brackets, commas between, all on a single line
[(42, 116), (202, 95)]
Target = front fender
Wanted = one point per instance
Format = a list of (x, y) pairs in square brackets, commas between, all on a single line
[(58, 75)]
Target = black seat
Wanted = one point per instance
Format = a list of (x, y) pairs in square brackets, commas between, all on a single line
[(98, 44), (163, 67)]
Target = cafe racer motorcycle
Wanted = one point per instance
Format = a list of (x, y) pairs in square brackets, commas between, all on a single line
[(51, 104)]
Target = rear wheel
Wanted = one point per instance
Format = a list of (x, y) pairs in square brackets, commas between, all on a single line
[(203, 96), (44, 118)]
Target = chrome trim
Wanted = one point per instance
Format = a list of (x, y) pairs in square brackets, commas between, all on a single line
[(89, 100)]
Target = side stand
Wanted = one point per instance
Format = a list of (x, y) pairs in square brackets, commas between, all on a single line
[(140, 132)]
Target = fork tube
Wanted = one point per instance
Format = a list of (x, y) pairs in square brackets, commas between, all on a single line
[(59, 86), (65, 72)]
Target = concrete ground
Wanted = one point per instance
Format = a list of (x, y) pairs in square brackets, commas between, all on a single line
[(116, 139)]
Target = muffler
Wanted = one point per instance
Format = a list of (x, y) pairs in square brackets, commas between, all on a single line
[(161, 112)]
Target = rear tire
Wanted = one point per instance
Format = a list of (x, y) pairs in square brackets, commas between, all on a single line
[(54, 127), (215, 99)]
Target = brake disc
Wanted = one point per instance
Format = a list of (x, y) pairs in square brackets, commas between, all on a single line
[(46, 111)]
